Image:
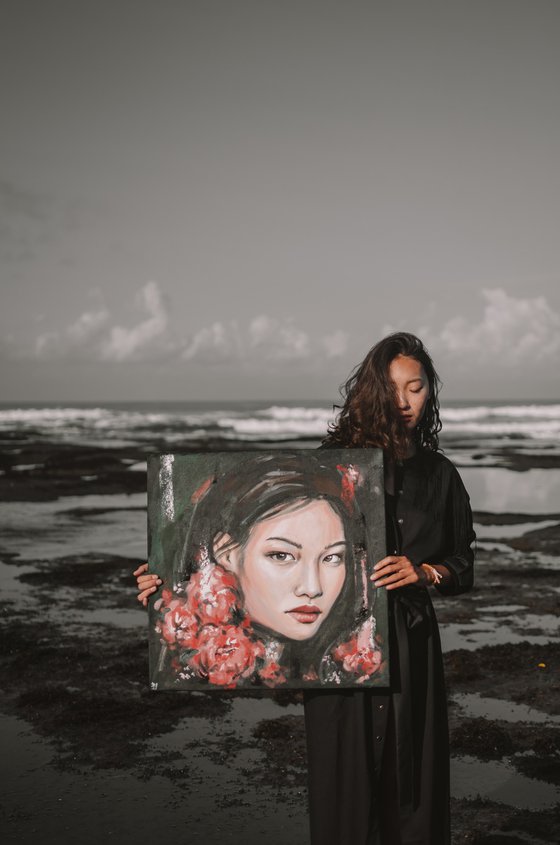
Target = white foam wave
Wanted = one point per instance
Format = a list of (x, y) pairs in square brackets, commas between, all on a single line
[(481, 412), (254, 426), (531, 430), (529, 422), (280, 412)]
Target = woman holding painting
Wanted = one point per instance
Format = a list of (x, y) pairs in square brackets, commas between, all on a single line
[(379, 759)]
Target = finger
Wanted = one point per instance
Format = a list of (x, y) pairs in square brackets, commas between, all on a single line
[(148, 580), (388, 569), (142, 568), (145, 593), (384, 561), (391, 578), (409, 579)]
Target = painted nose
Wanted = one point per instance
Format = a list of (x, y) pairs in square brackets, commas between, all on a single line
[(309, 583)]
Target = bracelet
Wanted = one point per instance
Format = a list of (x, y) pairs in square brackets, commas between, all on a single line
[(436, 576)]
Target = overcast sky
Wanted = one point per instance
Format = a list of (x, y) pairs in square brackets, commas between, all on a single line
[(220, 200)]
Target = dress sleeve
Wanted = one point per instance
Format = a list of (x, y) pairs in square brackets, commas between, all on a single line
[(461, 537)]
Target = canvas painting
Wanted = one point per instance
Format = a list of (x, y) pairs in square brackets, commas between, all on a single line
[(266, 560)]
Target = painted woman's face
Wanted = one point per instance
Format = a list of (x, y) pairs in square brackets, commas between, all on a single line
[(292, 569)]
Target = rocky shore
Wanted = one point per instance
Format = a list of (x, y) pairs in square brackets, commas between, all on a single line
[(94, 754)]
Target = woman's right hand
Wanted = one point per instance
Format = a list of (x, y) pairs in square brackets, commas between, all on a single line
[(147, 583)]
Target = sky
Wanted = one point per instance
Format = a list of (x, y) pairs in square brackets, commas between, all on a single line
[(236, 200)]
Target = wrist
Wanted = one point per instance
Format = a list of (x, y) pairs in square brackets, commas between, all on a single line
[(432, 576)]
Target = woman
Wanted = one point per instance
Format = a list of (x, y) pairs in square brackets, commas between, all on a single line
[(268, 579), (379, 760), (379, 763)]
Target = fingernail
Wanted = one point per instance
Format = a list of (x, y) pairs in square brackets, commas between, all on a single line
[(159, 581)]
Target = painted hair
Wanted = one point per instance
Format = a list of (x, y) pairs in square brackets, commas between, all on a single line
[(262, 487), (369, 417)]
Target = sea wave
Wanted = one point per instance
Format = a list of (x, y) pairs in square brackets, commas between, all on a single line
[(526, 422), (515, 412)]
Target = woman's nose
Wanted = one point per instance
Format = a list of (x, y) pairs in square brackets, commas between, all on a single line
[(402, 401), (308, 583)]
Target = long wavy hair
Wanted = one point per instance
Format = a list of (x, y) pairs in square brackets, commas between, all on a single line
[(369, 415)]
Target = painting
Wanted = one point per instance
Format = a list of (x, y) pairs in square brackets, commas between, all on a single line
[(266, 560)]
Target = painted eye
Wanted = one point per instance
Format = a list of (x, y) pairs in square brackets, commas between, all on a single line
[(334, 559), (281, 557)]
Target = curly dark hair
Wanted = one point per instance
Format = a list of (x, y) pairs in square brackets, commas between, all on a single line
[(369, 417)]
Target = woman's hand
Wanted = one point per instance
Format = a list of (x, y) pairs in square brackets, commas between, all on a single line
[(147, 583), (396, 571)]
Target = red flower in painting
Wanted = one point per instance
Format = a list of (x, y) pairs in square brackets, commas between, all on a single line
[(272, 674), (360, 655), (225, 655), (350, 477), (177, 624), (212, 632), (213, 595)]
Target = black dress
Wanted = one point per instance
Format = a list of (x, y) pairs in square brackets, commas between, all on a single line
[(379, 759)]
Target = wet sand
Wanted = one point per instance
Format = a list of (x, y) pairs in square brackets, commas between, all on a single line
[(93, 754)]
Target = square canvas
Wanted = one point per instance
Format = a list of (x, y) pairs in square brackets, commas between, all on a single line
[(266, 560)]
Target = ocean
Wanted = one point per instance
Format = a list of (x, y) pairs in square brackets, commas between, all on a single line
[(530, 427)]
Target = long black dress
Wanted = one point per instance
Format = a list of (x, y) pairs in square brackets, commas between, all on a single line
[(379, 759)]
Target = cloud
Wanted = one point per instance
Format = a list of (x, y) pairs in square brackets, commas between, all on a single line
[(81, 334), (509, 331), (128, 344), (275, 340), (214, 344), (94, 336), (510, 327), (264, 341)]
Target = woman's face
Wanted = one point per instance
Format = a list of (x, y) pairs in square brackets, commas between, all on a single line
[(412, 388), (292, 569)]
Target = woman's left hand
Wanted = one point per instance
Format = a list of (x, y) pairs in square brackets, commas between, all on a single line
[(396, 571)]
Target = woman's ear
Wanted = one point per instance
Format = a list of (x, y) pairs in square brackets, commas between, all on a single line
[(226, 552)]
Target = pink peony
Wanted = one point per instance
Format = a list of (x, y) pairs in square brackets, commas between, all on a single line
[(213, 595), (177, 625), (225, 655), (360, 655), (272, 674)]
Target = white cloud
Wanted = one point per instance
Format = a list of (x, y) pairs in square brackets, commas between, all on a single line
[(94, 335), (263, 341), (214, 344), (266, 341), (509, 331), (125, 344), (275, 340), (82, 333)]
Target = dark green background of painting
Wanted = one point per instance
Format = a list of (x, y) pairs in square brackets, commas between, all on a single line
[(165, 539)]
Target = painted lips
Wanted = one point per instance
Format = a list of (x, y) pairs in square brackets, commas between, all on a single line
[(306, 614)]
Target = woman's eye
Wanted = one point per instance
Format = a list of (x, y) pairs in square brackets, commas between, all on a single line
[(281, 557), (334, 559)]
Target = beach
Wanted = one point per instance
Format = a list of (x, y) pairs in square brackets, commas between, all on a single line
[(92, 753)]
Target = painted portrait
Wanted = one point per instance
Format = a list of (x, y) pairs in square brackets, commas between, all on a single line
[(265, 560)]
